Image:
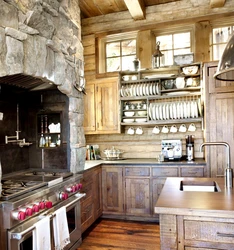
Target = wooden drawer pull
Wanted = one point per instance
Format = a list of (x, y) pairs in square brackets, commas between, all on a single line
[(225, 235)]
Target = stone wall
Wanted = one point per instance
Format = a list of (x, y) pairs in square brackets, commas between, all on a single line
[(43, 39)]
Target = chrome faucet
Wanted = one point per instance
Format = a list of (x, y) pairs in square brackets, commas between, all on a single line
[(228, 171)]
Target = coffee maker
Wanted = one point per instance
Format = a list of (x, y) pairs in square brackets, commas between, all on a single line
[(190, 147)]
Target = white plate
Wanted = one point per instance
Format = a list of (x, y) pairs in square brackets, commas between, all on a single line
[(151, 89), (153, 111), (188, 110), (178, 93), (160, 112), (195, 109), (181, 111), (171, 111), (154, 88), (185, 110), (178, 110), (147, 89), (156, 111), (164, 112), (174, 111), (150, 112), (157, 88), (143, 89)]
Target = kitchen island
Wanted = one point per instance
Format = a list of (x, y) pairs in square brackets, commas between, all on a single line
[(196, 219)]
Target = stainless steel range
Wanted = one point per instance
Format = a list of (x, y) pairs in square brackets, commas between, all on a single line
[(29, 196)]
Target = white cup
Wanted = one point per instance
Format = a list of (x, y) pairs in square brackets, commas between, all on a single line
[(134, 78), (182, 128), (156, 130), (131, 131), (165, 129), (192, 127), (126, 78), (173, 129), (139, 131)]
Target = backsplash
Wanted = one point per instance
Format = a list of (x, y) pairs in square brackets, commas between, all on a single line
[(146, 145)]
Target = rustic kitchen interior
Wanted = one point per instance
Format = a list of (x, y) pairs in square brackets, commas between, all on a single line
[(83, 139)]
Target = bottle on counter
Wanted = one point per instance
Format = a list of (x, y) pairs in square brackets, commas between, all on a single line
[(42, 141), (47, 141), (58, 142)]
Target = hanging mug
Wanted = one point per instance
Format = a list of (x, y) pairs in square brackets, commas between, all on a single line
[(139, 131), (130, 131)]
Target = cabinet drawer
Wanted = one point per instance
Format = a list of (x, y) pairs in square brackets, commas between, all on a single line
[(192, 172), (161, 172), (220, 232), (140, 171)]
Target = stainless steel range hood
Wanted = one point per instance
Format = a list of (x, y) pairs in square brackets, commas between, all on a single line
[(27, 82), (225, 71)]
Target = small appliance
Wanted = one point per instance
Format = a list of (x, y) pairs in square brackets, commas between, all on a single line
[(172, 149), (190, 147)]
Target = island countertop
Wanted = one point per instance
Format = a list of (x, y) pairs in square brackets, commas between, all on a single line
[(174, 201)]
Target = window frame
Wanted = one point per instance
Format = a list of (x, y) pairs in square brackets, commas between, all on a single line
[(175, 30), (225, 22), (101, 40)]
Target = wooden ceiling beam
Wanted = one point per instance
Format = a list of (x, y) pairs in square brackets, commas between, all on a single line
[(136, 9), (217, 3)]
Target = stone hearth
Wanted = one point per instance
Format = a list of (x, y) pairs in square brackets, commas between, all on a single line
[(42, 39)]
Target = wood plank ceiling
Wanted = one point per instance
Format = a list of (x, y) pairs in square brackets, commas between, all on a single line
[(136, 8)]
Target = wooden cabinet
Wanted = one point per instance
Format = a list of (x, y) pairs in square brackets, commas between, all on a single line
[(137, 191), (132, 191), (91, 204), (101, 109), (112, 190), (205, 233), (219, 118)]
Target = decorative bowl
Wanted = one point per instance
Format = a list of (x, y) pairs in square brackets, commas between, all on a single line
[(142, 113), (190, 70), (129, 113)]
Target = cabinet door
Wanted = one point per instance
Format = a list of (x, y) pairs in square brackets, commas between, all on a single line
[(107, 113), (97, 192), (89, 109), (157, 186), (137, 196), (219, 121), (112, 189)]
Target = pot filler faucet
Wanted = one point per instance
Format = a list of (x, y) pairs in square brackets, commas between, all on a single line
[(228, 171)]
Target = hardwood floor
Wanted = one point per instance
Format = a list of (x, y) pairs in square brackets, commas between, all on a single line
[(108, 234)]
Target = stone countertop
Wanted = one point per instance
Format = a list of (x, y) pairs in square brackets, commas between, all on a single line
[(140, 161), (194, 203)]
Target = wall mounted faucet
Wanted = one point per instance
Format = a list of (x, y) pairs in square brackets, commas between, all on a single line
[(228, 170)]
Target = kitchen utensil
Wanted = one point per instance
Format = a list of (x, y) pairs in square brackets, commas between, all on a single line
[(173, 129), (180, 82), (190, 70), (192, 127), (129, 113), (165, 129), (182, 128)]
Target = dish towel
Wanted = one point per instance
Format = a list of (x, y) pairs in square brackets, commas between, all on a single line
[(60, 226), (41, 234)]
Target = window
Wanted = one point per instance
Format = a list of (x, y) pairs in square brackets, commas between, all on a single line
[(120, 55), (116, 52), (174, 44), (220, 37)]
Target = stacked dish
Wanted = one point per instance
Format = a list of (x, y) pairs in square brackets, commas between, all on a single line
[(175, 110), (142, 89)]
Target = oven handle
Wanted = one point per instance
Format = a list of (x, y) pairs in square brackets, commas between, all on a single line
[(19, 236)]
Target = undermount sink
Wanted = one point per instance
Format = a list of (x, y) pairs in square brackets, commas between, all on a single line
[(199, 186)]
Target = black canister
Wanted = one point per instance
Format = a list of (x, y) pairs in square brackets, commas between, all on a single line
[(136, 64)]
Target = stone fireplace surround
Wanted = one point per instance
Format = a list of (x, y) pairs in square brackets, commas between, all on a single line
[(42, 39)]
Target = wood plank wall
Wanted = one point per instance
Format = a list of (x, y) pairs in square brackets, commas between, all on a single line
[(179, 13)]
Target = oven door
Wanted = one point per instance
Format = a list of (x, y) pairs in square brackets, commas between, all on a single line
[(21, 237)]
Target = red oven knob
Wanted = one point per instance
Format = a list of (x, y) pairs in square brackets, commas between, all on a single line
[(71, 189), (35, 208), (63, 195), (78, 186), (28, 211), (48, 204), (41, 205), (19, 215)]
